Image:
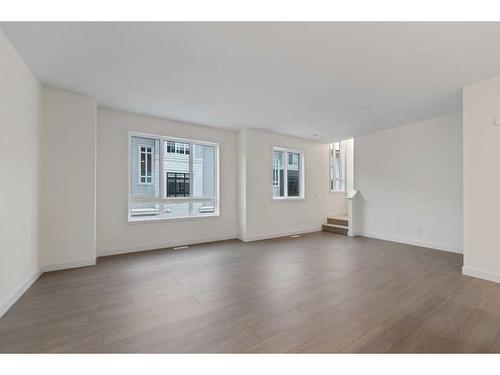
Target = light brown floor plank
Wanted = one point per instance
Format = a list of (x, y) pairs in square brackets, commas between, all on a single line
[(317, 293)]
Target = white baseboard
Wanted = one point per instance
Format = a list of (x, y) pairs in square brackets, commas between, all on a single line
[(278, 235), (490, 276), (67, 265), (166, 245), (4, 306), (409, 241)]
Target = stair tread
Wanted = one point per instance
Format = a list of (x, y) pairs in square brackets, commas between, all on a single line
[(346, 218), (336, 226)]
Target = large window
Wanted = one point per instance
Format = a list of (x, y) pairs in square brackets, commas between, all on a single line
[(172, 178), (337, 180), (288, 173)]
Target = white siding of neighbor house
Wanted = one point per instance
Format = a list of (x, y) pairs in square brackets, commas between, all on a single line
[(138, 189)]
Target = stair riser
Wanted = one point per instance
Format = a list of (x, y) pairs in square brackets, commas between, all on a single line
[(335, 230), (338, 222)]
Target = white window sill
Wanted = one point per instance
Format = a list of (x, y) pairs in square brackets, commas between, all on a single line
[(135, 220), (337, 192), (289, 198)]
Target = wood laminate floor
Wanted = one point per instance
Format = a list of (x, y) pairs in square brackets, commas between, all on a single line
[(317, 293)]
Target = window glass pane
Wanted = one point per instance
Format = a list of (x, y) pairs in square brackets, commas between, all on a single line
[(175, 209), (336, 158), (176, 169), (149, 165), (293, 175), (143, 163), (144, 210), (337, 173), (144, 167), (278, 174), (204, 171)]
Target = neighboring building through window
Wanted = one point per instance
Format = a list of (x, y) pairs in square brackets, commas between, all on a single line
[(276, 173), (146, 164), (288, 178), (337, 173), (172, 178)]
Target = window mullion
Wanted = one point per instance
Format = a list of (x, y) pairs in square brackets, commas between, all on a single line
[(140, 164), (191, 177), (161, 174), (285, 190)]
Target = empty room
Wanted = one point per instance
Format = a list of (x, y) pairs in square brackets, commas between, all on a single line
[(249, 187)]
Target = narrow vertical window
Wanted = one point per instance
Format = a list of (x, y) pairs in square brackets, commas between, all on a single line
[(337, 182), (293, 174), (288, 174)]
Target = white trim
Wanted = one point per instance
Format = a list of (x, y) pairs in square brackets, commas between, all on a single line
[(10, 301), (279, 235), (490, 276), (409, 241), (68, 265), (158, 246)]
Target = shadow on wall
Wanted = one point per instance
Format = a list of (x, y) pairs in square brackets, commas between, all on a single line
[(358, 220)]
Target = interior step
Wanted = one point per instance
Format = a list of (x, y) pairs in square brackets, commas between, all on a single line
[(335, 228), (338, 220)]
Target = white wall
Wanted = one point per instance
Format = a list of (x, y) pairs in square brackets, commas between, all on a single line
[(242, 184), (265, 217), (114, 233), (20, 122), (336, 204), (68, 188), (349, 165), (481, 161), (409, 180)]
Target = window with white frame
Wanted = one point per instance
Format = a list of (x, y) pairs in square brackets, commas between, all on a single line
[(172, 178), (337, 180), (288, 173)]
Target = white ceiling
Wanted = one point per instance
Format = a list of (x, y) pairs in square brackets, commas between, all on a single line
[(331, 79)]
